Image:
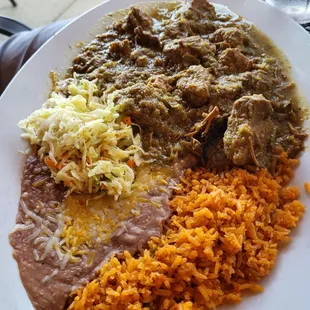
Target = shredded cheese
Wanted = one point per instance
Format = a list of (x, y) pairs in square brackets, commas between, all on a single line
[(70, 230), (87, 223), (44, 239)]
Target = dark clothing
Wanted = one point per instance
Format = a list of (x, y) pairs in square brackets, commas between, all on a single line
[(15, 51)]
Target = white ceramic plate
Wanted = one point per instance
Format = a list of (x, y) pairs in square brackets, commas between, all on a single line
[(288, 286)]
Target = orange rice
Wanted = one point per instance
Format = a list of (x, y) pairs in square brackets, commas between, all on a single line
[(307, 187), (222, 238)]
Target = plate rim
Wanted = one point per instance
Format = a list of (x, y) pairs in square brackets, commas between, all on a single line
[(10, 93)]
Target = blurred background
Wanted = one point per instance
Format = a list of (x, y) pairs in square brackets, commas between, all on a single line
[(299, 10), (35, 13)]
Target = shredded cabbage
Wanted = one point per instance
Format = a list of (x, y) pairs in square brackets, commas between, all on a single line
[(83, 142)]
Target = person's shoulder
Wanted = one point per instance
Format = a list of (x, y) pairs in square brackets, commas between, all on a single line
[(17, 49)]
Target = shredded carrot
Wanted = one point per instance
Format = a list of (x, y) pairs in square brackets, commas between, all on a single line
[(127, 120), (131, 163), (64, 155), (53, 165), (60, 166), (50, 163)]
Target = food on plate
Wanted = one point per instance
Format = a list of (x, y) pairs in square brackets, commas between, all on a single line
[(82, 142), (156, 173), (222, 238)]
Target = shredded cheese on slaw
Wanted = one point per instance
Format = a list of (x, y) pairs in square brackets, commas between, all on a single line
[(83, 141)]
